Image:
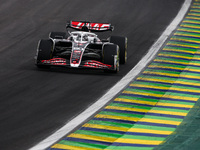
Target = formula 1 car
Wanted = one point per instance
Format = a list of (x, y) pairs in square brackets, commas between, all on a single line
[(82, 48)]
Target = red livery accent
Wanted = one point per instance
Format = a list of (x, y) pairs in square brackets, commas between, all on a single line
[(91, 26), (55, 61), (96, 64)]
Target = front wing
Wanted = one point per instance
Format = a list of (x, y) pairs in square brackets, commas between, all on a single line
[(84, 64)]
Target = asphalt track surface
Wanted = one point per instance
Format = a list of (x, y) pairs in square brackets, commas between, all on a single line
[(34, 103)]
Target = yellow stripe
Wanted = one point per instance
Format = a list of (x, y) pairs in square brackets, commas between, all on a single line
[(196, 58), (170, 61), (134, 101), (183, 45), (156, 80), (68, 147), (166, 88), (105, 127), (149, 86), (183, 34), (180, 97), (174, 105), (194, 64), (196, 31), (185, 40), (190, 17), (126, 108), (190, 26), (136, 141), (196, 3), (92, 137), (184, 90), (120, 140), (194, 70), (143, 93), (159, 121), (177, 56), (139, 130), (193, 14), (168, 81), (172, 75), (167, 112), (195, 7), (194, 10), (163, 96), (117, 117), (179, 50), (132, 109), (160, 73), (166, 67)]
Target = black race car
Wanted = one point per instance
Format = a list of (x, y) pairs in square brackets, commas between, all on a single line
[(82, 48)]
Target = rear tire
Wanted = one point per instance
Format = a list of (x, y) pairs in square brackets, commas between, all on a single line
[(122, 43), (44, 52), (111, 57), (57, 35)]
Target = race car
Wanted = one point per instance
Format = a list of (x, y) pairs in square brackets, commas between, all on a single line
[(82, 48)]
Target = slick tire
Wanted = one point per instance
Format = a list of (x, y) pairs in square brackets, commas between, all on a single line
[(44, 52), (122, 43), (57, 35), (111, 57)]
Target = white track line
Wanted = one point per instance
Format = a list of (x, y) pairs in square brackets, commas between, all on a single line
[(117, 87)]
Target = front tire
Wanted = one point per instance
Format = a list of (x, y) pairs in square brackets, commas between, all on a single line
[(111, 57), (44, 52), (122, 42)]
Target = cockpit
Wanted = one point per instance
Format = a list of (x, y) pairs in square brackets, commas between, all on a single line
[(83, 36)]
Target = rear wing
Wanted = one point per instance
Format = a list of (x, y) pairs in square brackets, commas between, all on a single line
[(94, 27)]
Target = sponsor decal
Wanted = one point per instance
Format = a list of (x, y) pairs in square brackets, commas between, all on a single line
[(55, 61), (96, 64), (76, 56), (92, 26)]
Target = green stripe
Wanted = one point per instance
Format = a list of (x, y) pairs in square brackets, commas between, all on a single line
[(118, 147), (189, 29), (139, 126), (108, 123), (168, 65), (152, 84), (138, 98), (176, 54), (172, 59), (193, 21), (122, 114), (142, 137), (190, 25), (130, 106), (182, 44), (96, 133), (162, 118), (175, 102), (145, 91), (170, 109), (165, 85), (179, 38), (188, 34)]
